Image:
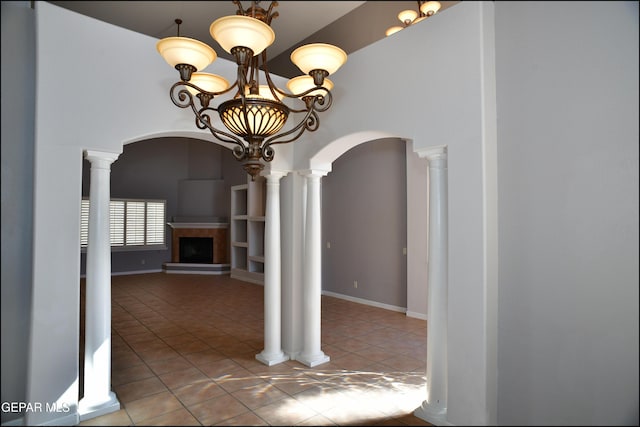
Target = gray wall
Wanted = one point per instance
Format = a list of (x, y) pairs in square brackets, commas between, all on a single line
[(18, 103), (364, 218), (567, 96), (193, 176)]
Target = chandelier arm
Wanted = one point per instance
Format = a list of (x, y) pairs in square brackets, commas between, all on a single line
[(212, 94), (275, 90), (253, 70), (182, 98), (322, 103), (203, 121), (242, 84), (311, 122), (239, 5), (318, 103)]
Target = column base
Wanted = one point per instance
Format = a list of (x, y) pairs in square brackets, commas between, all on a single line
[(270, 359), (313, 360), (88, 410), (435, 416)]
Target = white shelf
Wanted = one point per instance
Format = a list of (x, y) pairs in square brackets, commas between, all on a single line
[(247, 230)]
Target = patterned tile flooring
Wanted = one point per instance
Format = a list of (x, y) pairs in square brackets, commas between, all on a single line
[(184, 351)]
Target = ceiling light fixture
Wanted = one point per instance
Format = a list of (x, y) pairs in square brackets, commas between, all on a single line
[(409, 17), (256, 112)]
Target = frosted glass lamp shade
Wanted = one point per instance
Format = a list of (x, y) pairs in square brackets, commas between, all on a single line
[(265, 93), (263, 117), (245, 31), (393, 30), (183, 50), (429, 8), (407, 16), (318, 56), (303, 83), (209, 82)]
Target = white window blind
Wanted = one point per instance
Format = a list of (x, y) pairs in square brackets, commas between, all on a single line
[(155, 223), (116, 217), (84, 223), (133, 222)]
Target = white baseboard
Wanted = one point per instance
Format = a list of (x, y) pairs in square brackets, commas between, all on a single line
[(365, 301), (421, 316), (127, 273)]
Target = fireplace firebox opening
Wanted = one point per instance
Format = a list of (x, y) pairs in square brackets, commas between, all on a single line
[(196, 250)]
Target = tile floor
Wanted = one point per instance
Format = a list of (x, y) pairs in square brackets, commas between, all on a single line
[(184, 351)]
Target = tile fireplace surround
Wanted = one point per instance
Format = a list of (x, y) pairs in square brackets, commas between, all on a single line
[(216, 230)]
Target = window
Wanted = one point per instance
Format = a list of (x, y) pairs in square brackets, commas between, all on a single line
[(134, 223)]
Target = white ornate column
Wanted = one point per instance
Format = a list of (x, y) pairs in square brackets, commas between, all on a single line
[(98, 398), (272, 353), (434, 408), (311, 354)]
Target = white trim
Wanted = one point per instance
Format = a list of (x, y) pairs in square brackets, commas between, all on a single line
[(433, 152), (159, 247), (127, 273), (365, 301), (436, 420), (416, 315), (178, 225)]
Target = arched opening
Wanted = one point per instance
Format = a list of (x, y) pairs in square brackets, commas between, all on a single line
[(190, 176), (364, 225), (404, 183)]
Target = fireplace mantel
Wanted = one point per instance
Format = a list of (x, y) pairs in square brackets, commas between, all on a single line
[(179, 225), (217, 230)]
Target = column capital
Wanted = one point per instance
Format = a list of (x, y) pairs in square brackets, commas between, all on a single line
[(274, 175), (319, 173), (433, 153), (101, 158)]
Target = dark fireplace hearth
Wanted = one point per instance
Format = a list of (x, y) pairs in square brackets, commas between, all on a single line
[(196, 250)]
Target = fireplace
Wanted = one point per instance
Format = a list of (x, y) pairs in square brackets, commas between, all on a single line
[(199, 247), (196, 250)]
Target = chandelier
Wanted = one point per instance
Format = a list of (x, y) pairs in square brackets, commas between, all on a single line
[(252, 108), (409, 17)]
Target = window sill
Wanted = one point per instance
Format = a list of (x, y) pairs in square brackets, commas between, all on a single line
[(133, 248)]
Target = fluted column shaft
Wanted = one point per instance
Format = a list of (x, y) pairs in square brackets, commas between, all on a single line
[(272, 353), (98, 398), (434, 408), (312, 354)]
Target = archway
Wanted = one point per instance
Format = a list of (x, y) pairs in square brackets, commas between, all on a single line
[(435, 405), (95, 373)]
